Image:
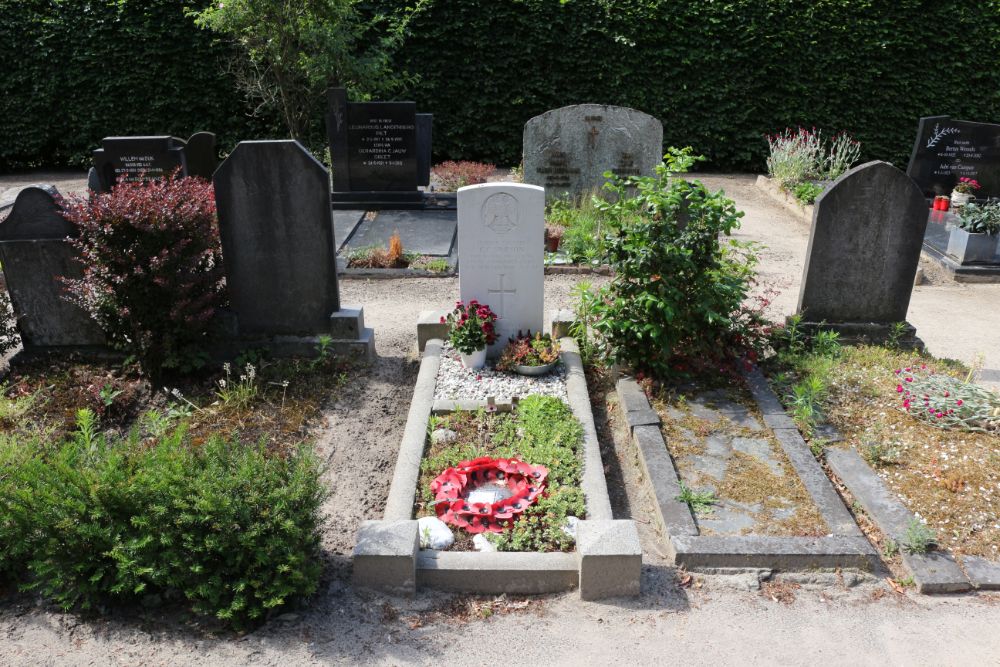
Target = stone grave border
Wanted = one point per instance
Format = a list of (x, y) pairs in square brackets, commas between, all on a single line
[(845, 547), (608, 558), (933, 572), (801, 212)]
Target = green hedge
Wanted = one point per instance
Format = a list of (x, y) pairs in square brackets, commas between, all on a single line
[(719, 74), (75, 71)]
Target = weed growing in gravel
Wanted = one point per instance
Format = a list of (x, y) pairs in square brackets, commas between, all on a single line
[(697, 501), (918, 538)]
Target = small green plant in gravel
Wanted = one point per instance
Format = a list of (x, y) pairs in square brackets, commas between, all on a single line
[(890, 549), (881, 453), (698, 501), (918, 538)]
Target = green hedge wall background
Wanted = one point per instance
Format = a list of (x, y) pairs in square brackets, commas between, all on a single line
[(719, 74)]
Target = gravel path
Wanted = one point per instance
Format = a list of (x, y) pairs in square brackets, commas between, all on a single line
[(715, 620)]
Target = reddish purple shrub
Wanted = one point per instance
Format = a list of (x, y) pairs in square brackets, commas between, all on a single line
[(451, 176), (153, 274)]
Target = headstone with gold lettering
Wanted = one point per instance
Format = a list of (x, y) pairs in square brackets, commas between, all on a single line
[(567, 150)]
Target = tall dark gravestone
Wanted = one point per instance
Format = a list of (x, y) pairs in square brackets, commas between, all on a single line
[(130, 159), (36, 253), (380, 152), (946, 150), (273, 200), (864, 247)]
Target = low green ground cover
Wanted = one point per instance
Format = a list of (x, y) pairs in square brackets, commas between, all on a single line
[(542, 431)]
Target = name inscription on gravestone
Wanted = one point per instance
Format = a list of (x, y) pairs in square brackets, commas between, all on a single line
[(382, 145), (947, 150), (132, 159)]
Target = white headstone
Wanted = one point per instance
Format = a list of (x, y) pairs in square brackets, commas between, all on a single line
[(501, 231)]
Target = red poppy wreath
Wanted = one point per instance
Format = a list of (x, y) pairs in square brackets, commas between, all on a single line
[(453, 487)]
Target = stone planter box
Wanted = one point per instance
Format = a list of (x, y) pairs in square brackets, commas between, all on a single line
[(608, 557), (970, 248)]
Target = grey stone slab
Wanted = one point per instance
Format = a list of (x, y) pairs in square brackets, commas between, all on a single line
[(759, 448), (567, 150), (273, 202), (864, 247), (429, 326), (767, 402), (779, 421), (778, 553), (385, 555), (984, 574), (513, 573), (933, 572), (716, 444), (344, 223), (724, 520), (631, 396), (743, 419), (610, 557), (659, 468), (593, 484), (424, 232), (500, 244), (562, 321), (713, 466), (837, 517), (35, 253), (347, 323)]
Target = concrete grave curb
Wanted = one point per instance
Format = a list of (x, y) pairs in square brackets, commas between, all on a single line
[(801, 212), (846, 546), (933, 572), (608, 559)]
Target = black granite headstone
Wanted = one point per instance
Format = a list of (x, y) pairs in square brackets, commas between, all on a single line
[(273, 200), (946, 150), (864, 247), (381, 151), (130, 159), (35, 253)]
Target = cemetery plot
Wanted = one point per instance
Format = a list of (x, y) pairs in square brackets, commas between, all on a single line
[(736, 486), (929, 436)]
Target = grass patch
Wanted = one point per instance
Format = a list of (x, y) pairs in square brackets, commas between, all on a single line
[(543, 431), (950, 477)]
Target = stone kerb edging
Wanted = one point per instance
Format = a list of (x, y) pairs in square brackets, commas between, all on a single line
[(846, 546), (934, 571), (387, 556), (801, 212)]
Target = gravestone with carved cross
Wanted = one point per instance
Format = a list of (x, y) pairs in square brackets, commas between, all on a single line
[(501, 227)]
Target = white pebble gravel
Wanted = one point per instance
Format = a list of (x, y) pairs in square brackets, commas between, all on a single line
[(456, 382)]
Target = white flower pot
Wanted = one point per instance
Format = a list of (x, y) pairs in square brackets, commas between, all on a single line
[(475, 360), (960, 199)]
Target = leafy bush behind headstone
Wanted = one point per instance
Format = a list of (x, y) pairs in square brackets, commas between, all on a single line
[(719, 75)]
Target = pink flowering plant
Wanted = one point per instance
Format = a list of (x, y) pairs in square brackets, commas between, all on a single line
[(947, 402), (471, 326), (152, 268), (966, 185)]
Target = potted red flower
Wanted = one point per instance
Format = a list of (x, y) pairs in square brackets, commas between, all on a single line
[(471, 328), (964, 191)]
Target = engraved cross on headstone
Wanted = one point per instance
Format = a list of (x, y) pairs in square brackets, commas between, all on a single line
[(592, 136), (501, 291)]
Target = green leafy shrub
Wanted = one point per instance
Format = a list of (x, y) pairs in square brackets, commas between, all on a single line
[(583, 229), (676, 302), (807, 192), (153, 274), (230, 528), (980, 218)]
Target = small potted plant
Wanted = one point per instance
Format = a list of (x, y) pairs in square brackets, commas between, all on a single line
[(964, 192), (471, 328), (974, 238), (553, 236), (530, 355)]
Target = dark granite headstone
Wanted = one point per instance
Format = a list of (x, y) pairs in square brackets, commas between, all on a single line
[(273, 199), (946, 150), (380, 151), (864, 248), (35, 253), (134, 158)]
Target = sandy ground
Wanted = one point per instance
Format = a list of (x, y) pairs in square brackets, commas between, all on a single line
[(715, 620)]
